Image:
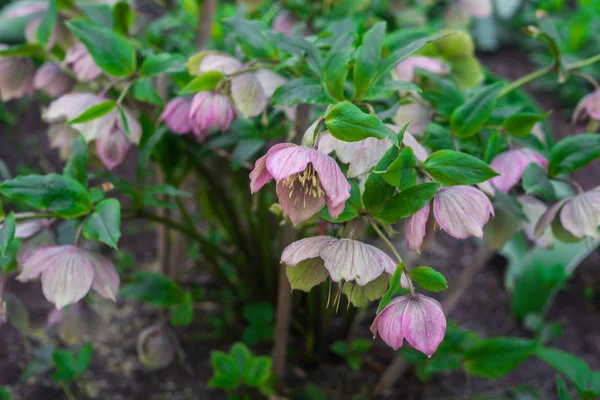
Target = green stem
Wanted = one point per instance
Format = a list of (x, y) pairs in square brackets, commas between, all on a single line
[(68, 392), (584, 63), (21, 218)]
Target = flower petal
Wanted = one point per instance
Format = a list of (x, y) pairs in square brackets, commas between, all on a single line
[(388, 323), (297, 205), (288, 160), (260, 175), (248, 94), (416, 227), (269, 81), (37, 261), (462, 211), (351, 260), (545, 221), (333, 181), (511, 165), (304, 249), (112, 147), (533, 210), (106, 279), (424, 324), (581, 214)]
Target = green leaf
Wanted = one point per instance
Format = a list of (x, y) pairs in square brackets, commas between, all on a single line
[(335, 69), (383, 89), (405, 52), (76, 167), (361, 296), (144, 90), (111, 52), (104, 224), (94, 112), (206, 81), (469, 118), (454, 168), (377, 190), (241, 355), (395, 285), (183, 313), (5, 393), (352, 208), (368, 58), (44, 30), (225, 382), (153, 288), (7, 232), (495, 145), (562, 389), (406, 203), (162, 63), (520, 125), (24, 50), (574, 369), (69, 367), (303, 90), (339, 347), (573, 153), (258, 372), (302, 48), (402, 172), (448, 96), (252, 36), (63, 195), (147, 148), (224, 364), (349, 123), (535, 181), (496, 357), (123, 17), (429, 279), (306, 274)]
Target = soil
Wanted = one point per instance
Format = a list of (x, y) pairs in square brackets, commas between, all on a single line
[(116, 372)]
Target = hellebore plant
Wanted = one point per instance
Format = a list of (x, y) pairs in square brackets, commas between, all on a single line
[(408, 137)]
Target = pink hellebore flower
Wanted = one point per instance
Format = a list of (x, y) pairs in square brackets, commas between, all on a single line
[(82, 63), (533, 210), (176, 115), (461, 211), (511, 165), (28, 228), (306, 179), (418, 319), (68, 273), (405, 69), (589, 106), (210, 111), (51, 79), (112, 140), (16, 76), (579, 215), (417, 115)]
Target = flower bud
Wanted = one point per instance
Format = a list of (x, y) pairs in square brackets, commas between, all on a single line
[(210, 111), (82, 63), (405, 69), (588, 107), (176, 115), (156, 347), (51, 79), (418, 319), (16, 76)]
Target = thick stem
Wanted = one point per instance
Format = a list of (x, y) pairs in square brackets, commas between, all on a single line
[(399, 365), (282, 324), (205, 23)]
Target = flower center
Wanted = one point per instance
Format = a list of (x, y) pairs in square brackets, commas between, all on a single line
[(305, 184)]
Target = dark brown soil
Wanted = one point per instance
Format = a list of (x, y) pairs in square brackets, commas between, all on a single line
[(116, 372)]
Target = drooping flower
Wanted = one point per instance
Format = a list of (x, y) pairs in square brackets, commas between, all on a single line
[(212, 61), (176, 115), (61, 136), (405, 69), (307, 179), (79, 324), (461, 211), (417, 115), (580, 214), (361, 268), (82, 63), (588, 106), (16, 76), (68, 273), (511, 165), (210, 111), (418, 319), (51, 79), (109, 130), (533, 210), (156, 347), (27, 228)]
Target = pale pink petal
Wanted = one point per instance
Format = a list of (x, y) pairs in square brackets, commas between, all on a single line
[(592, 104), (106, 278), (135, 129), (112, 147), (333, 181), (581, 214), (545, 221), (260, 175), (327, 142), (352, 260), (405, 70), (23, 9), (51, 79), (176, 115), (534, 209), (462, 211), (287, 161), (16, 77), (477, 8), (424, 324), (304, 249), (69, 278), (388, 323), (210, 111), (219, 62), (248, 94), (37, 261), (82, 63), (416, 227), (511, 165), (269, 81), (417, 115), (301, 206)]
